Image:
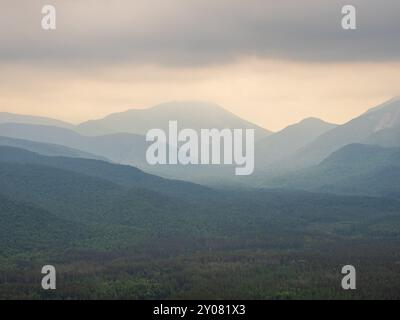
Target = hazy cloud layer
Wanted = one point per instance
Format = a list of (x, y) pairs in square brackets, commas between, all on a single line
[(189, 32)]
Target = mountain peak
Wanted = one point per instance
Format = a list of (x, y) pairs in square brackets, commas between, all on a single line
[(310, 122), (313, 120), (174, 106), (189, 114)]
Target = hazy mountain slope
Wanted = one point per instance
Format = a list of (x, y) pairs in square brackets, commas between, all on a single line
[(46, 148), (357, 130), (389, 137), (290, 140), (122, 148), (123, 175), (354, 169), (121, 217), (6, 117), (114, 213), (194, 115)]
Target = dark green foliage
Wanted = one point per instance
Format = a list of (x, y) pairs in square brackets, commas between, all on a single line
[(115, 232), (26, 228), (123, 175)]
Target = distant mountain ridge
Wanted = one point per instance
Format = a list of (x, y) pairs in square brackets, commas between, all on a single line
[(359, 130), (301, 145), (289, 140), (194, 115), (123, 175), (45, 207), (6, 117), (47, 149), (355, 169), (122, 148)]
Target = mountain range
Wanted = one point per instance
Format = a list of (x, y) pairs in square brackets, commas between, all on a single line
[(120, 138), (379, 125), (355, 169), (284, 143), (115, 227), (63, 202)]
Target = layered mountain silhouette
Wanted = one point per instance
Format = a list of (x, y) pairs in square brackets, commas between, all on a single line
[(120, 138), (354, 169), (83, 201), (120, 147), (122, 175), (374, 127), (6, 117), (62, 191), (289, 140), (59, 186), (54, 203), (47, 148)]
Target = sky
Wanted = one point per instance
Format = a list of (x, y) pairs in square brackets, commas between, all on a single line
[(270, 62)]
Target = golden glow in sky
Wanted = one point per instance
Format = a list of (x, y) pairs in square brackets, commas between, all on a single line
[(272, 94)]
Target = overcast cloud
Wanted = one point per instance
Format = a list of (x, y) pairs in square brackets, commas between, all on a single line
[(190, 33)]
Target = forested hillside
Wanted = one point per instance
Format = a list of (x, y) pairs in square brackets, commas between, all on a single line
[(110, 238)]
